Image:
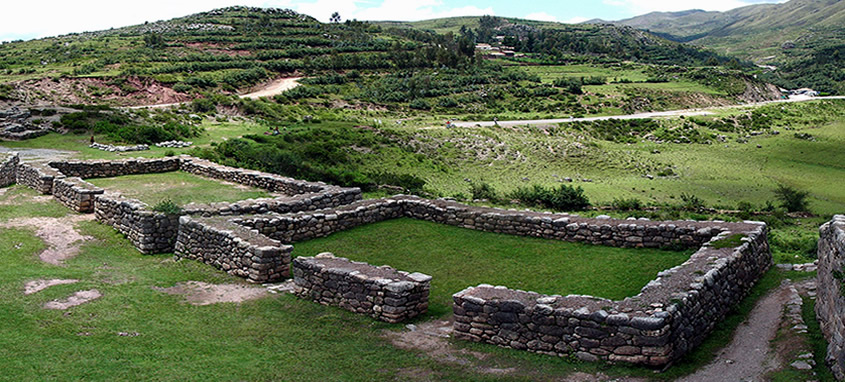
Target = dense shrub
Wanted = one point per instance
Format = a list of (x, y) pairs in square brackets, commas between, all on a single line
[(564, 197), (483, 190), (791, 199), (631, 204)]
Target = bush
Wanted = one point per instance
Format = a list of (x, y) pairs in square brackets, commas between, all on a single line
[(203, 105), (562, 198), (419, 104), (627, 204), (691, 202), (169, 153), (791, 199), (168, 207), (483, 190)]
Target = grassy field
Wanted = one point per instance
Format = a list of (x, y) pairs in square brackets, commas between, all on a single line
[(181, 188), (274, 338), (545, 266)]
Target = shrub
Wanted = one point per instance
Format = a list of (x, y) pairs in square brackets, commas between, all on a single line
[(627, 204), (168, 207), (791, 199), (691, 202), (203, 105), (169, 153), (483, 190), (562, 198), (419, 104)]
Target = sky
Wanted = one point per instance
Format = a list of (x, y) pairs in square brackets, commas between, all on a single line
[(28, 19)]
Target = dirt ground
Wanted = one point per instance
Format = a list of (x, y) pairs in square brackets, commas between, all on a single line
[(276, 87), (36, 286), (200, 293), (77, 298), (62, 239)]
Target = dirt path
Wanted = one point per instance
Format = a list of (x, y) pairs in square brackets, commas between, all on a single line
[(200, 293), (39, 154), (671, 113), (748, 357), (61, 237), (75, 299), (278, 86)]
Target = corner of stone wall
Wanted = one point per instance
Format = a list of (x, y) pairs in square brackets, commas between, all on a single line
[(9, 169), (830, 300), (232, 248)]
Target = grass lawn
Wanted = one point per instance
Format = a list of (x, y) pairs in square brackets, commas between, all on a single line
[(180, 187), (458, 257), (275, 338)]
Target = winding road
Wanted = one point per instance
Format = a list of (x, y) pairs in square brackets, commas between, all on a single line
[(671, 113)]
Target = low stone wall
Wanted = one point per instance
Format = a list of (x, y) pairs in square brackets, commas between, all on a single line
[(149, 231), (113, 168), (8, 169), (263, 180), (668, 318), (292, 228), (76, 193), (380, 292), (38, 176), (830, 301), (232, 248)]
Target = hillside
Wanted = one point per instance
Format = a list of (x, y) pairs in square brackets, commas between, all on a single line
[(798, 37)]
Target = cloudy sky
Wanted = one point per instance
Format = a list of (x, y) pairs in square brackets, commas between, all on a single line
[(27, 19)]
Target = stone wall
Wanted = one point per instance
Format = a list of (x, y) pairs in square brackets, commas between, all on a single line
[(234, 249), (263, 180), (38, 176), (668, 318), (292, 228), (380, 292), (113, 168), (8, 169), (76, 193), (830, 301), (149, 231)]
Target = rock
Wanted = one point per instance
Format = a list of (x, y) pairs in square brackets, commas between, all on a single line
[(801, 365)]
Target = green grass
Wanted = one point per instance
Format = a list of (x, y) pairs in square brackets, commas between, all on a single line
[(12, 205), (180, 187), (817, 341), (457, 258)]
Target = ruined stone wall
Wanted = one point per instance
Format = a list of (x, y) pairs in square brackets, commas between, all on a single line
[(830, 301), (263, 180), (234, 249), (76, 193), (113, 168), (668, 318), (292, 228), (379, 292), (8, 169), (149, 231), (38, 176)]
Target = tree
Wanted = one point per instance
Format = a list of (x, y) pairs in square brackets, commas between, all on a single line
[(791, 199), (335, 18)]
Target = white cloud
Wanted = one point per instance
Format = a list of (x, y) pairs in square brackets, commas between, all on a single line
[(387, 10), (541, 16), (643, 6)]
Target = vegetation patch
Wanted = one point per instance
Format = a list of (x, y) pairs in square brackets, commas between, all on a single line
[(172, 189), (731, 241)]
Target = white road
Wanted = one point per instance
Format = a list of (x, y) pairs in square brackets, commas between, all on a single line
[(672, 113)]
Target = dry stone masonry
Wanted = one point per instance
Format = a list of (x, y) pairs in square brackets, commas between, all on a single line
[(234, 249), (8, 169), (668, 318), (830, 300), (380, 292)]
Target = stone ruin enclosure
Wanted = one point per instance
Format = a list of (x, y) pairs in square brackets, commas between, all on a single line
[(253, 239)]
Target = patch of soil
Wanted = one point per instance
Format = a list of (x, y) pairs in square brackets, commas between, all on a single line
[(35, 286), (61, 237), (200, 293), (276, 87), (76, 299), (134, 91)]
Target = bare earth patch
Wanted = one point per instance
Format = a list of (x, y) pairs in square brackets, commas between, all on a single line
[(35, 286), (77, 298), (200, 293), (62, 239)]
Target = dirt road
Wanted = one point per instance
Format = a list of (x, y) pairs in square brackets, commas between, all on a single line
[(278, 86), (671, 113)]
